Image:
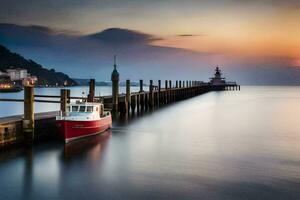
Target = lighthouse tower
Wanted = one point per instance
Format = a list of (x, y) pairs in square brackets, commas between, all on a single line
[(115, 86)]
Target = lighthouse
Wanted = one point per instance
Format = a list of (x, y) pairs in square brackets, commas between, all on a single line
[(115, 86)]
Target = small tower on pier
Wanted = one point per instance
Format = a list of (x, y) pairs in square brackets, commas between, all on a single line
[(115, 86), (217, 79)]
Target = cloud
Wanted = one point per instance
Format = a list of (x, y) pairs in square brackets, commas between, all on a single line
[(123, 36), (44, 29), (51, 31), (288, 3), (190, 35)]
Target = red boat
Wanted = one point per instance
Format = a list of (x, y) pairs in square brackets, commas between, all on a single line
[(83, 119)]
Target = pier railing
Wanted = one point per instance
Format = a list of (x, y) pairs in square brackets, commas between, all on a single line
[(130, 101)]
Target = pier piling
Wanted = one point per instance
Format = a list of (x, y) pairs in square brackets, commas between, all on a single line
[(151, 95), (142, 101), (91, 95), (68, 96), (170, 91), (141, 85), (28, 120), (133, 103), (63, 101), (166, 92), (128, 96), (159, 93)]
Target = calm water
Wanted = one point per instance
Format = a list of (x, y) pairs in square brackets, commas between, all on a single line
[(221, 145)]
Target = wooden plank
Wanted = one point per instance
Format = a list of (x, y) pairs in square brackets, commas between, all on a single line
[(12, 100), (37, 116), (45, 101), (47, 96)]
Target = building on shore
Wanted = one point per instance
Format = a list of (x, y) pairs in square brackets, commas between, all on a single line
[(19, 76), (5, 82)]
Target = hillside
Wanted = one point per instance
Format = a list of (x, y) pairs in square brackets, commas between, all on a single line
[(45, 76)]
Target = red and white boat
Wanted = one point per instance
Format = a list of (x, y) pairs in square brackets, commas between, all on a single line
[(83, 119)]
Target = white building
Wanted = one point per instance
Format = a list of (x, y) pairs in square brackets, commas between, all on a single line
[(17, 74)]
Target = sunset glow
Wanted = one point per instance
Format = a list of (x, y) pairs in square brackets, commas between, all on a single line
[(232, 33), (257, 28)]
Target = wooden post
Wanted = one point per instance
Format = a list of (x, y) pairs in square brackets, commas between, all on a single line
[(176, 84), (28, 121), (166, 92), (68, 96), (63, 101), (122, 106), (151, 95), (147, 101), (180, 91), (128, 97), (91, 94), (170, 91), (159, 93), (133, 103), (141, 85), (159, 85), (138, 102), (151, 86), (142, 101)]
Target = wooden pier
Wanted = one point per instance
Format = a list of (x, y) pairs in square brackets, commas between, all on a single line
[(29, 127)]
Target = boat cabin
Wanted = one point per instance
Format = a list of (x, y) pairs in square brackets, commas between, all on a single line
[(85, 111)]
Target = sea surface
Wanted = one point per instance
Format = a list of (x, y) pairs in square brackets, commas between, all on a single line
[(230, 145)]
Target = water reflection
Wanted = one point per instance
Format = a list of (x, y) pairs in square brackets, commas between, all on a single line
[(28, 173), (89, 148)]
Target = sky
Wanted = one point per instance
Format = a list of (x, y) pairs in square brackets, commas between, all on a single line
[(232, 29), (257, 27)]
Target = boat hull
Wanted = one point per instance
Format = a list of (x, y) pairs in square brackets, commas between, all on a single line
[(72, 130)]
